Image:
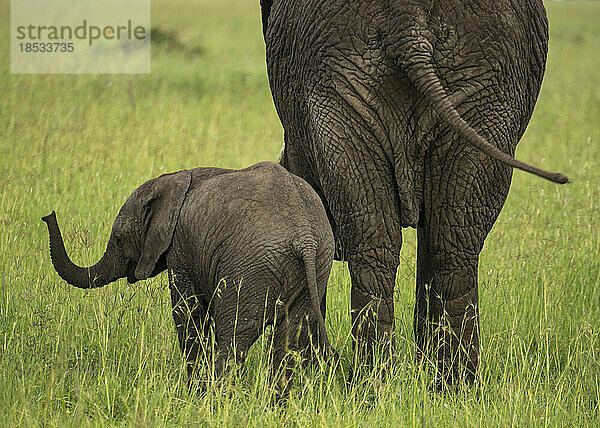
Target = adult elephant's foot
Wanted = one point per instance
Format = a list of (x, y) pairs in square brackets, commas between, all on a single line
[(373, 275), (451, 341), (447, 316)]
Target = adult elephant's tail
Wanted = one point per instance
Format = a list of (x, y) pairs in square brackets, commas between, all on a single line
[(418, 64)]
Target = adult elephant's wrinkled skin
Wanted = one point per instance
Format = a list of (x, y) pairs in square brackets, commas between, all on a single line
[(407, 113)]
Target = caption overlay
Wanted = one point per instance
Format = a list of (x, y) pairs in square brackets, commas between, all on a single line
[(80, 36)]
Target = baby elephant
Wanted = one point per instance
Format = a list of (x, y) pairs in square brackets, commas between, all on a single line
[(243, 249)]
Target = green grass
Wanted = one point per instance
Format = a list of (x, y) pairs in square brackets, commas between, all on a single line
[(81, 144)]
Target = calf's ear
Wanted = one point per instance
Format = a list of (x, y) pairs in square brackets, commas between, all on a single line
[(163, 198)]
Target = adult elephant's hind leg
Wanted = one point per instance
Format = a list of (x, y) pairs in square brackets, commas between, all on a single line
[(462, 203), (373, 274), (446, 310), (372, 240), (361, 193)]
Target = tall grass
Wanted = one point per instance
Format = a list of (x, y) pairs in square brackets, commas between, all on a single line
[(81, 144)]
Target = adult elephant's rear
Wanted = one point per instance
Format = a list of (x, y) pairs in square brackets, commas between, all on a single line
[(407, 113)]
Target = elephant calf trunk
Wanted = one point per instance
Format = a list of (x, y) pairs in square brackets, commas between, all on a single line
[(66, 269)]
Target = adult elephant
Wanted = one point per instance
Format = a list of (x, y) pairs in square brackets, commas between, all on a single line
[(407, 113)]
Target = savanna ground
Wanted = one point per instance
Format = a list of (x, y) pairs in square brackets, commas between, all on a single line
[(81, 144)]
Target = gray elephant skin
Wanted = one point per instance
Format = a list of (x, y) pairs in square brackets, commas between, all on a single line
[(244, 249), (407, 113)]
